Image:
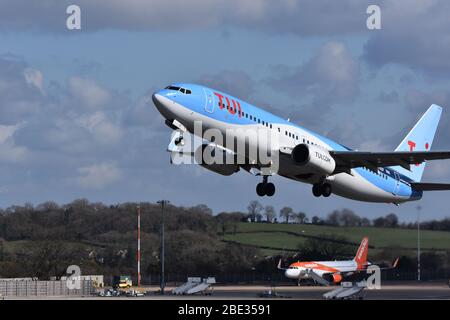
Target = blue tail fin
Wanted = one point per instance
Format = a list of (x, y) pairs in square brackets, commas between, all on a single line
[(420, 138)]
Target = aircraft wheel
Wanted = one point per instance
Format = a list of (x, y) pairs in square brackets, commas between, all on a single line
[(317, 190), (326, 189), (260, 190), (269, 189)]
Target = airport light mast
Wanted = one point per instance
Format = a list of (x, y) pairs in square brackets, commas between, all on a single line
[(139, 245), (162, 282), (418, 242)]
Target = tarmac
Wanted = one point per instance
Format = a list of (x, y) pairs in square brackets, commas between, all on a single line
[(391, 291)]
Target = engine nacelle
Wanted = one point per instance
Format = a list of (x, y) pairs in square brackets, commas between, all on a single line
[(314, 159), (333, 277), (216, 159)]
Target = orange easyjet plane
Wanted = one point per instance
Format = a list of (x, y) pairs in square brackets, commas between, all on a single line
[(327, 272)]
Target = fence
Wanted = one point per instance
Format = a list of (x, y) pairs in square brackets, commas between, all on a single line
[(32, 288)]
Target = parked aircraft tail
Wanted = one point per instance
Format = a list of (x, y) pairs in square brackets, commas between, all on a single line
[(361, 254)]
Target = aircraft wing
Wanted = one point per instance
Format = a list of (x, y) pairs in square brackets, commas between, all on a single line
[(346, 160), (422, 186)]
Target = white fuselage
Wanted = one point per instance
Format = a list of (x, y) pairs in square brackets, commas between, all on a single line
[(360, 184)]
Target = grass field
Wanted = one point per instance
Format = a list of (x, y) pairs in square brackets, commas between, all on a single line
[(290, 236)]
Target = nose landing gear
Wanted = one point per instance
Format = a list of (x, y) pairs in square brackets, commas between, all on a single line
[(265, 188), (321, 189)]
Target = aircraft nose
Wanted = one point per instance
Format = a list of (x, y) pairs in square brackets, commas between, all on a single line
[(289, 273), (157, 99)]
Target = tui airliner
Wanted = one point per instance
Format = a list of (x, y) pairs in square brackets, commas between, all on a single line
[(303, 155)]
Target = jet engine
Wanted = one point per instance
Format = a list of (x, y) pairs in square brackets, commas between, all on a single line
[(313, 158), (333, 277), (216, 159)]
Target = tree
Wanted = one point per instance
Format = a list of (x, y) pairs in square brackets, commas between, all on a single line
[(286, 213), (345, 217), (301, 217), (316, 220), (349, 218), (254, 208), (379, 222), (333, 218), (391, 221), (365, 222), (325, 247), (269, 212)]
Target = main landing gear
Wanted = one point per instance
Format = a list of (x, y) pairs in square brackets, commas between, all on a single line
[(265, 188), (321, 189)]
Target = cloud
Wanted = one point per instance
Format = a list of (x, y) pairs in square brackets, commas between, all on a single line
[(332, 75), (88, 92), (9, 151), (389, 97), (34, 77), (287, 16), (70, 125), (98, 176), (20, 94), (235, 82), (102, 129), (142, 113), (414, 34)]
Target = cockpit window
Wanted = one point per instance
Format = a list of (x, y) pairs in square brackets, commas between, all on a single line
[(173, 88), (182, 90)]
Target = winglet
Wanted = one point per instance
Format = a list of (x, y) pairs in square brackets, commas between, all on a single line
[(395, 264), (279, 265)]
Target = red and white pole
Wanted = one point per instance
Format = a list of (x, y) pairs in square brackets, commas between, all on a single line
[(139, 246)]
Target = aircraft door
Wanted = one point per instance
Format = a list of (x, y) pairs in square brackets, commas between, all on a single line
[(209, 104), (397, 183)]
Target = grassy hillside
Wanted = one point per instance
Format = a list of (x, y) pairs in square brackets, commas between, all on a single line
[(290, 236)]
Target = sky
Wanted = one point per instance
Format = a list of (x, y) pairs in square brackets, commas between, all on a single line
[(77, 120)]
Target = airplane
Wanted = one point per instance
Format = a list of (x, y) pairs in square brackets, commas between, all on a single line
[(332, 272), (304, 156)]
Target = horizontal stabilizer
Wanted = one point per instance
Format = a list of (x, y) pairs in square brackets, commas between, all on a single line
[(355, 159), (420, 186)]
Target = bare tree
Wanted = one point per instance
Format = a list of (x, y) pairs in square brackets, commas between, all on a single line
[(286, 213), (269, 212), (301, 217), (254, 209)]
